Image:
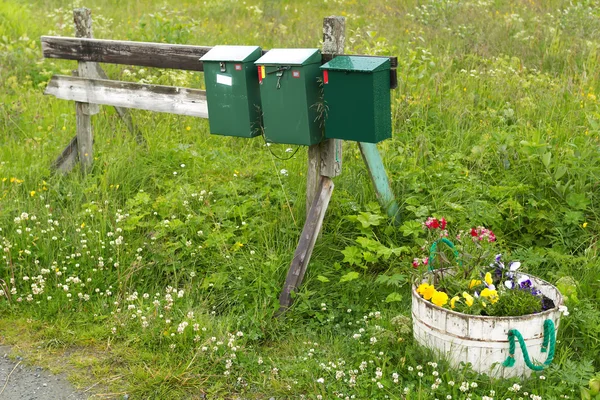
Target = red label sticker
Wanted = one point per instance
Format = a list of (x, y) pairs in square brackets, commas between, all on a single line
[(238, 67), (325, 76), (296, 74)]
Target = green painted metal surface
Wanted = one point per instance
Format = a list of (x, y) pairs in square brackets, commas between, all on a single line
[(290, 96), (380, 180), (232, 91), (357, 98)]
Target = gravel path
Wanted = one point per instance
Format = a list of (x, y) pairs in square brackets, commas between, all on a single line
[(18, 382)]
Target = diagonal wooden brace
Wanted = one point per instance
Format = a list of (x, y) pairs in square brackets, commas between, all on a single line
[(306, 244)]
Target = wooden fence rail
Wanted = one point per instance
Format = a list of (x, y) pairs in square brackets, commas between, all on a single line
[(169, 99)]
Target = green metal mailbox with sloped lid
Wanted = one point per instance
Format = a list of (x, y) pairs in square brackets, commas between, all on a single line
[(232, 91), (289, 92), (356, 90)]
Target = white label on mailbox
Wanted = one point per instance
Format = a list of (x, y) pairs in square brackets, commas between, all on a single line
[(224, 80)]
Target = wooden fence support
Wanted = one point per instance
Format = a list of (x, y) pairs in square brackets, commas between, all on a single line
[(324, 163), (306, 244), (82, 144), (325, 158), (84, 111), (379, 177)]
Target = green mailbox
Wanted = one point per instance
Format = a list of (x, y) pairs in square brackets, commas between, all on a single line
[(357, 98), (232, 90), (289, 92)]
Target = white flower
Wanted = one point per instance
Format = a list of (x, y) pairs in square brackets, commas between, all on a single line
[(284, 172), (320, 380), (564, 310), (509, 284)]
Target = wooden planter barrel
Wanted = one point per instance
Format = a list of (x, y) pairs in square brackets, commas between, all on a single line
[(481, 340)]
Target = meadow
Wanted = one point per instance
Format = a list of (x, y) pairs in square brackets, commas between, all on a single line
[(157, 274)]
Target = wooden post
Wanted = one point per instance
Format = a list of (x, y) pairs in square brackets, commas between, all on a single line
[(379, 177), (306, 244), (325, 158), (84, 111)]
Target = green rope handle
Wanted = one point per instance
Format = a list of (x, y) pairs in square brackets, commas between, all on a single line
[(548, 345), (433, 252)]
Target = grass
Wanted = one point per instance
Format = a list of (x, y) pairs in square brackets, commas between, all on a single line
[(137, 277)]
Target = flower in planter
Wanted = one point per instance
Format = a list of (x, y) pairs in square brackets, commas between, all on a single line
[(468, 274)]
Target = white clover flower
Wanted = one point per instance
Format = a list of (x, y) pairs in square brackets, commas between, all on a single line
[(564, 310), (284, 172)]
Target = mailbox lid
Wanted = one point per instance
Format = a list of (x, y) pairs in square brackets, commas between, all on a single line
[(357, 64), (297, 57), (233, 53)]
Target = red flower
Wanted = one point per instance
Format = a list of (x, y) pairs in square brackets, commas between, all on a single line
[(432, 223), (415, 263), (443, 223), (474, 232)]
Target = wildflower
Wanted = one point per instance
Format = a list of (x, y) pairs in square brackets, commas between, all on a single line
[(488, 278), (585, 224), (439, 298), (564, 310), (426, 290), (468, 299), (320, 380), (284, 172), (453, 301), (491, 295), (474, 282)]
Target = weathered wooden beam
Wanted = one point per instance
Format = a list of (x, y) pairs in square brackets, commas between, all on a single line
[(146, 54), (122, 112), (380, 180), (160, 55), (325, 158), (306, 244), (158, 98), (67, 159), (82, 17)]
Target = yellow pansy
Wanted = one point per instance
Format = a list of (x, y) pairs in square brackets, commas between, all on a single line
[(426, 290), (468, 299), (439, 298), (474, 282), (488, 278), (453, 301), (492, 295)]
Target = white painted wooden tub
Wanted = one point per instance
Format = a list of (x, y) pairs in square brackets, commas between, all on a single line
[(480, 340)]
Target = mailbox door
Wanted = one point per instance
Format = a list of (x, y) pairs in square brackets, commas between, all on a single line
[(233, 98), (357, 97), (289, 101)]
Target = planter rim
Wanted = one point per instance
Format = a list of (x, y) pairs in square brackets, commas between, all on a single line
[(557, 304)]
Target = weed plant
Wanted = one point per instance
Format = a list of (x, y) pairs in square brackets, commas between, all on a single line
[(157, 274)]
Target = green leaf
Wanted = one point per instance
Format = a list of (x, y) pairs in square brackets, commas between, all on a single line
[(573, 217), (368, 219), (413, 228), (577, 201), (400, 250), (393, 297), (559, 172), (391, 280), (350, 276), (369, 244), (323, 279), (369, 257), (352, 255), (546, 158)]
